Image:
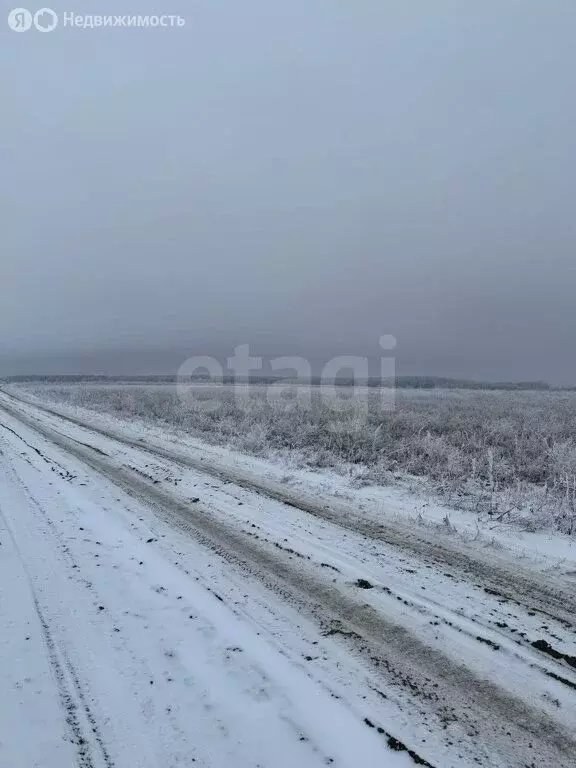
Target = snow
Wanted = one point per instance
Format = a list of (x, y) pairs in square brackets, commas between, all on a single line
[(150, 647), (30, 699), (548, 549), (172, 675)]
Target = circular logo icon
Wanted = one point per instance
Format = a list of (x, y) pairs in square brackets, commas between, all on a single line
[(19, 20), (45, 20)]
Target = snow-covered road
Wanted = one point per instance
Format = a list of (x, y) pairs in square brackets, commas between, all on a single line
[(158, 612)]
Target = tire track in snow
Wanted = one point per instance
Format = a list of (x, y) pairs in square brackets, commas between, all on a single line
[(73, 699), (517, 586), (79, 718), (451, 690)]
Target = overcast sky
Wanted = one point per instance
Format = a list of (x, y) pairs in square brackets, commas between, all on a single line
[(300, 175)]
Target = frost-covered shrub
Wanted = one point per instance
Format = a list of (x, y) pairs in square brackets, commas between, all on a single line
[(511, 455)]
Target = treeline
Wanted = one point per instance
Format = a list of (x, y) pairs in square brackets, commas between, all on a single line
[(439, 382), (67, 378), (402, 382)]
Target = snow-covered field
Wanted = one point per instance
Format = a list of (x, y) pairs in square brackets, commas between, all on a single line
[(165, 602), (505, 455)]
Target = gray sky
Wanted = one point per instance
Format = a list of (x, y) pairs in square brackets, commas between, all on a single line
[(302, 176)]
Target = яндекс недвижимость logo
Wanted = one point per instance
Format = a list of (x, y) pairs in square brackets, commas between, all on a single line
[(21, 20), (45, 20)]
